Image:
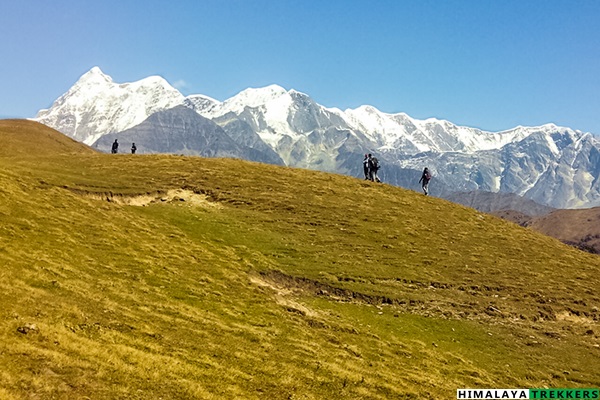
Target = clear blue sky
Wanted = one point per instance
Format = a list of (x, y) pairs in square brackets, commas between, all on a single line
[(482, 63)]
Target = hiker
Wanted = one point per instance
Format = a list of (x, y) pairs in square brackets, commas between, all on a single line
[(374, 168), (366, 167), (133, 148), (373, 164), (425, 178), (115, 147)]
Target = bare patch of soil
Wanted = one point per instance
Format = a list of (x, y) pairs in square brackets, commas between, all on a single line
[(432, 299), (173, 196)]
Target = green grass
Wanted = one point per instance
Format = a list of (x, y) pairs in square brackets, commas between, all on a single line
[(271, 283)]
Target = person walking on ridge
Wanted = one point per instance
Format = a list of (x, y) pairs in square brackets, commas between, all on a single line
[(374, 168), (425, 178), (366, 167), (115, 147), (133, 148)]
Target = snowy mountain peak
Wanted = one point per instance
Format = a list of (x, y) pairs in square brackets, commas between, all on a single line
[(95, 77), (153, 81), (201, 97), (369, 109), (203, 105), (94, 74), (254, 97), (251, 97), (96, 105), (296, 93)]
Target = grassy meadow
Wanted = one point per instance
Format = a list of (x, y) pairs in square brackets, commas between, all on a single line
[(170, 277)]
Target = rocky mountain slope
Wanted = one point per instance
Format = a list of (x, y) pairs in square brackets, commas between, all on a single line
[(181, 130), (552, 165)]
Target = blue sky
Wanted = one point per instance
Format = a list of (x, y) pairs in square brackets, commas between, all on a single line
[(482, 63)]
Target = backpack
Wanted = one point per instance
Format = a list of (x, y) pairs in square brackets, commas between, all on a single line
[(427, 176), (375, 163)]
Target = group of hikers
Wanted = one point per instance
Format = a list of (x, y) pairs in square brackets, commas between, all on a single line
[(371, 166), (115, 147)]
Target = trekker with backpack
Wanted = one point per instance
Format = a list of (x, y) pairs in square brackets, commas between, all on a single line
[(115, 147), (374, 168), (370, 165), (366, 167), (425, 178)]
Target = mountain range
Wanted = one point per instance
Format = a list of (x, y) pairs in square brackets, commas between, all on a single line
[(554, 166)]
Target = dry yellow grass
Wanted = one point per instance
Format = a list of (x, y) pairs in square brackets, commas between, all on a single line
[(181, 277)]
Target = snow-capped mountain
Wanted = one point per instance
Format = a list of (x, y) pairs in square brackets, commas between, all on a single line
[(95, 105), (552, 165), (181, 130), (399, 131)]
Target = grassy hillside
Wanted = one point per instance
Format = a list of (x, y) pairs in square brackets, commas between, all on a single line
[(137, 277)]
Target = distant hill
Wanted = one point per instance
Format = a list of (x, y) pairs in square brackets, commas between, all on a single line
[(489, 202), (23, 137), (580, 228), (513, 216), (180, 277)]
